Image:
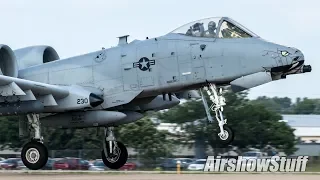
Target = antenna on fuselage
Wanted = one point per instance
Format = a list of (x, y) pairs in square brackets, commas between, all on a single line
[(123, 40)]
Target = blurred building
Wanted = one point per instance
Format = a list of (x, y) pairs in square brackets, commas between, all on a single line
[(307, 127), (307, 131), (6, 152)]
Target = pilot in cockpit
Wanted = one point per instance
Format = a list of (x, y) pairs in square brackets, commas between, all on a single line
[(196, 30), (189, 32), (211, 28)]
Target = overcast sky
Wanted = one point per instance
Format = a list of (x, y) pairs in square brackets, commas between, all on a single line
[(76, 27)]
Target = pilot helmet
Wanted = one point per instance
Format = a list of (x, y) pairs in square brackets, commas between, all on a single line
[(197, 26), (212, 25)]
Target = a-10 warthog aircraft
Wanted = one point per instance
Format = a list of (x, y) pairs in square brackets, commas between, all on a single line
[(116, 86)]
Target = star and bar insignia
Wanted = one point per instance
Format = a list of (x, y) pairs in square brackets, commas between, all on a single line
[(144, 64)]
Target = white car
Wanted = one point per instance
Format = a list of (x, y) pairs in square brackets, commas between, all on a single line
[(197, 165), (252, 155)]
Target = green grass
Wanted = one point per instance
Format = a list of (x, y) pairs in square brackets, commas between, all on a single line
[(313, 168)]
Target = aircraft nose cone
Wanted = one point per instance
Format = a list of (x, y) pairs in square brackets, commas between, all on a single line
[(298, 55), (95, 100)]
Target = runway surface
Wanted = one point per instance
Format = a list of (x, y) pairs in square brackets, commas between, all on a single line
[(159, 177)]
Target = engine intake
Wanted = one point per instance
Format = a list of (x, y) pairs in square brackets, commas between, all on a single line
[(35, 55), (8, 62)]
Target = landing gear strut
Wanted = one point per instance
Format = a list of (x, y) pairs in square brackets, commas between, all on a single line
[(114, 153), (226, 134), (34, 154)]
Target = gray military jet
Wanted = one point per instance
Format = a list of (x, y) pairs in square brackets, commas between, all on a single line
[(115, 86)]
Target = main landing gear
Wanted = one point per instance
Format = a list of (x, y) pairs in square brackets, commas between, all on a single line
[(114, 153), (226, 134), (34, 154)]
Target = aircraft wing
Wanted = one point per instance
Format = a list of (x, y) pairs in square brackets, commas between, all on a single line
[(10, 86), (21, 95)]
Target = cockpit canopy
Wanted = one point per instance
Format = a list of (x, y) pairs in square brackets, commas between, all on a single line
[(215, 27)]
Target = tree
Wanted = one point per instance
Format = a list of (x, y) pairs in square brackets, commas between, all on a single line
[(9, 133), (149, 142), (306, 106), (276, 104)]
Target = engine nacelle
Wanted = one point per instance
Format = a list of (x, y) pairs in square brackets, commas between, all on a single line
[(250, 81), (160, 103), (35, 55), (8, 62)]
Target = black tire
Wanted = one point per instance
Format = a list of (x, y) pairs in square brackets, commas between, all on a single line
[(121, 160), (230, 138), (37, 149)]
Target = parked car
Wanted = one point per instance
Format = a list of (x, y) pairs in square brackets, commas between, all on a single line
[(197, 165), (71, 164), (185, 162), (129, 166), (98, 165), (10, 164), (49, 164), (1, 160), (171, 164)]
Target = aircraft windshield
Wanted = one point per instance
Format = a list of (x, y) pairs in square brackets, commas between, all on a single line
[(229, 30), (215, 28), (200, 28)]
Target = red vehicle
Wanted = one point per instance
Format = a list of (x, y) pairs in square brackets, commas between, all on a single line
[(128, 166), (71, 164)]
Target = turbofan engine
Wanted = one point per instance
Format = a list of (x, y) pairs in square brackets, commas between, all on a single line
[(8, 62), (11, 61), (35, 55)]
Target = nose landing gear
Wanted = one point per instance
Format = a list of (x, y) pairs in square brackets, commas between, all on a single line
[(226, 134)]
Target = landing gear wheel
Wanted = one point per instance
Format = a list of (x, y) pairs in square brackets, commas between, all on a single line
[(228, 136), (34, 155), (116, 159)]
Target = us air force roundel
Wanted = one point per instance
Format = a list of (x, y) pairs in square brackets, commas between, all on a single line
[(144, 64)]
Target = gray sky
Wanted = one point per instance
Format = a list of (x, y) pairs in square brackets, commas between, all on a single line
[(76, 27)]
